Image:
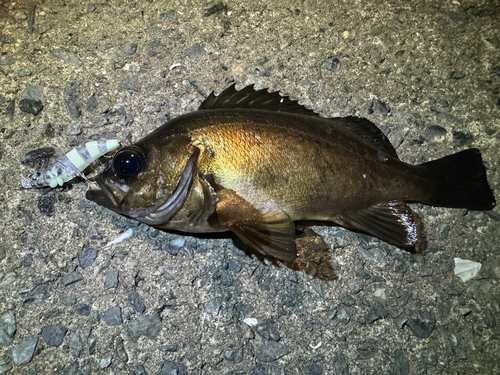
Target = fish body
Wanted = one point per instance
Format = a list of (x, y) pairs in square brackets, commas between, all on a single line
[(254, 163), (64, 167)]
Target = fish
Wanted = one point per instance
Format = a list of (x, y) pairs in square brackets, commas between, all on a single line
[(255, 163), (64, 167)]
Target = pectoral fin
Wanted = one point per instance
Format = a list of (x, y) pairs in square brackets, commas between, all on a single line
[(392, 222), (272, 233)]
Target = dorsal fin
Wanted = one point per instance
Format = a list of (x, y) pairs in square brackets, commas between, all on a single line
[(248, 97)]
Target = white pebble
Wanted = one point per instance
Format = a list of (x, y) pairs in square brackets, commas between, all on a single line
[(250, 322), (466, 269)]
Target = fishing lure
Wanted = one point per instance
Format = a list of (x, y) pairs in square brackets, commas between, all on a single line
[(65, 167)]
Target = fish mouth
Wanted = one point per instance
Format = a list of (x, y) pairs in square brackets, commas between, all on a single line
[(110, 194)]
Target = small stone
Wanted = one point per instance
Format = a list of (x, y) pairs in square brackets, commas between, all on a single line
[(105, 362), (139, 370), (129, 48), (376, 312), (111, 280), (86, 257), (213, 307), (380, 293), (339, 365), (234, 266), (33, 107), (91, 8), (333, 64), (75, 345), (195, 51), (7, 329), (343, 316), (99, 122), (144, 325), (401, 365), (379, 107), (173, 368), (113, 317), (466, 269), (136, 301), (268, 330), (53, 335), (67, 57), (130, 84), (92, 103), (74, 128), (234, 356), (479, 287), (460, 353), (24, 73), (422, 324), (456, 74), (68, 299), (83, 310), (429, 355), (399, 266), (23, 352), (92, 345), (72, 98), (312, 369), (71, 369), (71, 278), (354, 287), (435, 133), (6, 60), (270, 351)]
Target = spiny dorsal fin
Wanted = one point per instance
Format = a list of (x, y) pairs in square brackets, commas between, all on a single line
[(250, 98)]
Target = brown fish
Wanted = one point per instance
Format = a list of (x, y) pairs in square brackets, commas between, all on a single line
[(253, 162)]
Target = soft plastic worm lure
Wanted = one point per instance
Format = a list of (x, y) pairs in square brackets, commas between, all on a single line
[(64, 168)]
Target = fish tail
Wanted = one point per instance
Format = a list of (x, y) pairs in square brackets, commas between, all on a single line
[(459, 181)]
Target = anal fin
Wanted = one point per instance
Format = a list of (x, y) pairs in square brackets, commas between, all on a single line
[(393, 222), (272, 233)]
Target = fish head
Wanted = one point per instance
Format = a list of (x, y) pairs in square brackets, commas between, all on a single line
[(148, 181)]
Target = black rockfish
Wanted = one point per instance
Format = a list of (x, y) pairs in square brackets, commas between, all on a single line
[(253, 162)]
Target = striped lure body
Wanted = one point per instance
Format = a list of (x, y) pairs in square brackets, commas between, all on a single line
[(64, 168)]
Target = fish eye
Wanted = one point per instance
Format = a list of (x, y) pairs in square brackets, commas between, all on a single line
[(128, 163)]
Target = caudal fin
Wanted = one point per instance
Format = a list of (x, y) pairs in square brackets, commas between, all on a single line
[(459, 181)]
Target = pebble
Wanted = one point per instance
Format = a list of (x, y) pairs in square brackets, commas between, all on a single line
[(456, 74), (343, 316), (74, 128), (376, 312), (354, 287), (67, 57), (312, 369), (339, 365), (460, 353), (105, 362), (136, 301), (195, 51), (71, 278), (92, 103), (91, 8), (400, 322), (92, 345), (139, 370), (268, 330), (83, 310), (173, 368), (32, 100), (422, 323), (86, 257), (435, 133), (270, 351), (213, 307), (24, 73), (401, 365), (53, 335), (129, 48), (144, 325), (333, 64), (71, 369), (72, 98), (130, 84), (113, 317), (376, 256), (234, 356), (430, 356), (75, 345), (379, 108), (6, 60), (23, 352), (7, 329), (111, 280), (68, 299)]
